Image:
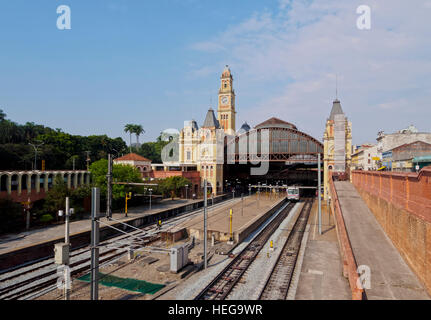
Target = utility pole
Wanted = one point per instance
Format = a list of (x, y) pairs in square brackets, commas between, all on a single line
[(95, 206), (318, 193), (88, 160), (150, 190), (66, 240), (205, 223), (35, 146), (109, 188), (62, 250)]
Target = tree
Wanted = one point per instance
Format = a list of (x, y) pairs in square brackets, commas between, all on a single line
[(138, 130), (172, 185), (153, 150), (121, 173), (130, 129), (2, 115)]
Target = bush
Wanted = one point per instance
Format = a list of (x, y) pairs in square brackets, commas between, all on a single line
[(46, 218)]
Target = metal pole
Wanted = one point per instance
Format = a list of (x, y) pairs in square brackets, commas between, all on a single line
[(109, 188), (242, 204), (318, 193), (230, 226), (66, 216), (66, 240), (95, 205), (205, 223), (150, 198)]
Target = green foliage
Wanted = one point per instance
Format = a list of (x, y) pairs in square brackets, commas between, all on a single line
[(58, 150), (46, 218), (120, 173), (11, 216), (153, 150), (2, 115), (172, 185), (56, 197)]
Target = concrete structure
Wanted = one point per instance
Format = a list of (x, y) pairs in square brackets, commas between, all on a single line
[(365, 157), (203, 147), (401, 158), (337, 141), (141, 163), (21, 185), (401, 203), (246, 217), (384, 273), (387, 142)]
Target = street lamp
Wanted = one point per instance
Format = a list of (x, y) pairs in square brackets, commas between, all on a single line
[(187, 186), (150, 190), (35, 146)]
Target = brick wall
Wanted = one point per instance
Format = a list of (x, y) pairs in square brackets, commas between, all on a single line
[(401, 202)]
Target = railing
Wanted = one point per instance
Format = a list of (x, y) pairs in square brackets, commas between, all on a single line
[(349, 262)]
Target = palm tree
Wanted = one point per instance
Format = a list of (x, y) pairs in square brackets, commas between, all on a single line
[(130, 129), (138, 130)]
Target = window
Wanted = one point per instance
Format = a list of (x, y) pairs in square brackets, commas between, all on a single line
[(188, 155)]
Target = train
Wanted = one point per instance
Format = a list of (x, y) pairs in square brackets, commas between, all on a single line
[(293, 193)]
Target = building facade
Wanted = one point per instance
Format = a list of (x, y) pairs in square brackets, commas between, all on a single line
[(337, 145), (204, 146), (141, 163)]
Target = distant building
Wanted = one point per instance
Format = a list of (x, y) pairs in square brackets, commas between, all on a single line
[(365, 157), (386, 142), (401, 157), (337, 140), (141, 163)]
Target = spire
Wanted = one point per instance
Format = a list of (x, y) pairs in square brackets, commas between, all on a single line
[(210, 120), (226, 72), (336, 109)]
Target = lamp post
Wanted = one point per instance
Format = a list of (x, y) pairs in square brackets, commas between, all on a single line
[(150, 190), (35, 146), (187, 186)]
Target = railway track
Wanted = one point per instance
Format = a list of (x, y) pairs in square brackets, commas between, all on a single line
[(41, 276), (278, 283), (225, 281)]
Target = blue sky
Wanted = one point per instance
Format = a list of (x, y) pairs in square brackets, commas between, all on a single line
[(158, 63)]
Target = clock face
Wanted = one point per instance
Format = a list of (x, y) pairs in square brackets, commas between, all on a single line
[(224, 100)]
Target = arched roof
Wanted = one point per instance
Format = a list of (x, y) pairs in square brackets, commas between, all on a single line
[(285, 143)]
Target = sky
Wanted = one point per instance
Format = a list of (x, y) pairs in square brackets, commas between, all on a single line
[(158, 63)]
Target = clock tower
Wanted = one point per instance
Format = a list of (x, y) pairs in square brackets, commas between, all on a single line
[(226, 103)]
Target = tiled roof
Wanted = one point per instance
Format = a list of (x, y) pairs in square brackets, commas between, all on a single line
[(132, 157)]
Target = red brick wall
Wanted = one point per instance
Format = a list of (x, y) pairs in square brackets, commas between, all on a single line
[(23, 197), (401, 202)]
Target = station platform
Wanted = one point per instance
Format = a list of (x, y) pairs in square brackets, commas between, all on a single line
[(247, 214), (12, 242), (321, 275), (391, 278)]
